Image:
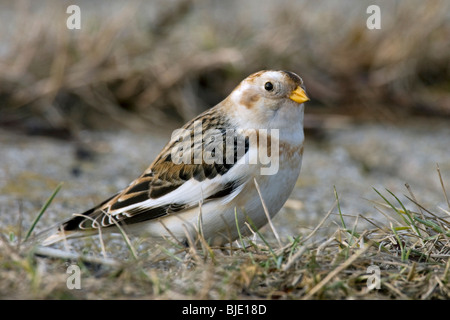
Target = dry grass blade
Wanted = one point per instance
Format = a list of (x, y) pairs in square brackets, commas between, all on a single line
[(97, 225), (65, 255), (19, 225), (192, 248), (269, 219), (414, 198), (442, 184), (294, 258), (333, 273), (396, 291), (320, 223), (124, 235)]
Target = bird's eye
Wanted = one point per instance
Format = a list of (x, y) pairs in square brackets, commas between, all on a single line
[(268, 86)]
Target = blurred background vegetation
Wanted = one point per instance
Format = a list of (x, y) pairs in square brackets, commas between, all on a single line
[(153, 64)]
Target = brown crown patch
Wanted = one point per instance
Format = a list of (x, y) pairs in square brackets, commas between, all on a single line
[(255, 75)]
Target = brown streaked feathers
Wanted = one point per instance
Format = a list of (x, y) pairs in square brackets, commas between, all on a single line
[(162, 177)]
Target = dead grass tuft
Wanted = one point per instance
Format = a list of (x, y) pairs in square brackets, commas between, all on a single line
[(141, 64), (404, 256)]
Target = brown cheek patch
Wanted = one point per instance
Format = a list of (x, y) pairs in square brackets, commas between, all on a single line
[(249, 100)]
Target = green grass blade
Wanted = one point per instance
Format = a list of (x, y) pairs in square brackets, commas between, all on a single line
[(373, 242), (432, 225), (295, 243), (43, 209), (407, 213), (170, 254), (339, 208), (393, 207), (400, 243), (272, 252)]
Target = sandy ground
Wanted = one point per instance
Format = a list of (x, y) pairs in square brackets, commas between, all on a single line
[(354, 160)]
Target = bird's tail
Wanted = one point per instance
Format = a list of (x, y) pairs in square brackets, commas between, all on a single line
[(55, 237), (46, 237), (52, 235)]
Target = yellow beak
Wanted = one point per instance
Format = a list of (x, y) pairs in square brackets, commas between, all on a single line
[(299, 95)]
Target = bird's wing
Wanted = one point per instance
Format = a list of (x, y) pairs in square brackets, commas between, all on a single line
[(170, 185)]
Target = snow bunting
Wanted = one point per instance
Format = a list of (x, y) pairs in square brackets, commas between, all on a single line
[(204, 180)]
